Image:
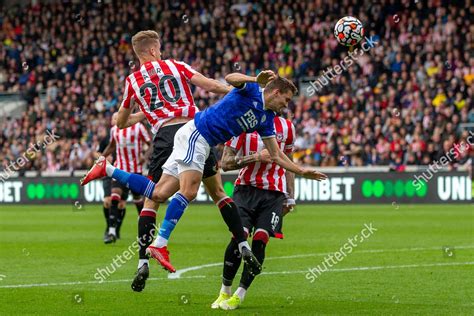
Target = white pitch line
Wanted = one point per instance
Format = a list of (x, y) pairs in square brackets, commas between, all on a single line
[(404, 266), (180, 272), (178, 276), (87, 282)]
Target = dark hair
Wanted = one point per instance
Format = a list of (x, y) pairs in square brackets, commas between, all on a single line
[(282, 84)]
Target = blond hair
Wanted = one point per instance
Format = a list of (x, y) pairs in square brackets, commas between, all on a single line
[(143, 39)]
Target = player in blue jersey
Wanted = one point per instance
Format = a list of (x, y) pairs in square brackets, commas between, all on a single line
[(250, 107)]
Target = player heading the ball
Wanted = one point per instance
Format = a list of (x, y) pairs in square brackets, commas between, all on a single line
[(250, 106)]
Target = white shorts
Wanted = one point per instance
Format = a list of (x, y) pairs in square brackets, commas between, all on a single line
[(190, 151)]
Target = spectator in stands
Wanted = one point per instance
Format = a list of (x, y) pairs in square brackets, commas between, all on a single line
[(403, 102)]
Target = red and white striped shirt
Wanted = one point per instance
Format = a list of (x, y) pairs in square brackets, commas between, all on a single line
[(128, 145), (266, 176), (162, 91)]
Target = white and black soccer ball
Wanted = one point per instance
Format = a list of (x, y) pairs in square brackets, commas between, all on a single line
[(349, 31)]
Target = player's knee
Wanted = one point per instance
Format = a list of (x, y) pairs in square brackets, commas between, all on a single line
[(107, 202), (261, 235), (159, 196)]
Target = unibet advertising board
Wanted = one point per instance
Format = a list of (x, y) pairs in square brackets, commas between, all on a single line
[(443, 187)]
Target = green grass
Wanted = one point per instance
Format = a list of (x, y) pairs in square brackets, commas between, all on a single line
[(52, 244)]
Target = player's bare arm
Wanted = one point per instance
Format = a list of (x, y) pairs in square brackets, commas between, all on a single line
[(148, 150), (210, 85), (238, 80), (290, 184), (231, 161), (109, 149), (290, 187), (282, 160), (126, 118)]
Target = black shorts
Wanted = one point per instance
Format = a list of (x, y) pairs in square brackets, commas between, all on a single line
[(107, 185), (260, 209), (162, 149)]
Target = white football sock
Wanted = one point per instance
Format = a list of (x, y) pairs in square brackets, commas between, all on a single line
[(241, 293), (112, 231), (244, 244), (160, 242), (109, 169), (141, 262), (227, 289)]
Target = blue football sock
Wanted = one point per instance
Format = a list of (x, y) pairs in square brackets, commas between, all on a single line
[(121, 176), (173, 213), (137, 183)]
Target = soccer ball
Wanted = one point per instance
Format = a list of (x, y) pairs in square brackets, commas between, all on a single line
[(349, 31)]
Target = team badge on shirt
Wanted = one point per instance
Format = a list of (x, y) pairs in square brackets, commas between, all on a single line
[(279, 137)]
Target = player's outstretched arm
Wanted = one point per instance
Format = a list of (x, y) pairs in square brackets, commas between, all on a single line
[(282, 160), (238, 80), (126, 118), (230, 160), (290, 203), (208, 84)]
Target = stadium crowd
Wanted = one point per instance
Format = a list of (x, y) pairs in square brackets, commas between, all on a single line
[(401, 103)]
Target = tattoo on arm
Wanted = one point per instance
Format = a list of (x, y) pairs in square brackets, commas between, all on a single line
[(230, 160)]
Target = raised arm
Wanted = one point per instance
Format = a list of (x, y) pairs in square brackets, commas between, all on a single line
[(208, 84), (237, 79), (282, 160)]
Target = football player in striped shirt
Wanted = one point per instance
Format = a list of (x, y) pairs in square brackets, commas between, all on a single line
[(250, 106), (264, 194), (129, 145), (162, 89)]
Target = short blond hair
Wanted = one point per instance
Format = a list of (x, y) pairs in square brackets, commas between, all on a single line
[(143, 39)]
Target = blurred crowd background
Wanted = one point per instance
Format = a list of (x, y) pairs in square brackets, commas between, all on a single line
[(404, 102)]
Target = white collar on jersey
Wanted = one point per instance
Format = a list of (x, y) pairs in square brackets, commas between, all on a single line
[(263, 98), (263, 101)]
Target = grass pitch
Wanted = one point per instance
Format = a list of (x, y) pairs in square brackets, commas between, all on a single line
[(419, 261)]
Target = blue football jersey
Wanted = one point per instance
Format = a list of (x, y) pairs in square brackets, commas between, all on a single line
[(242, 110)]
